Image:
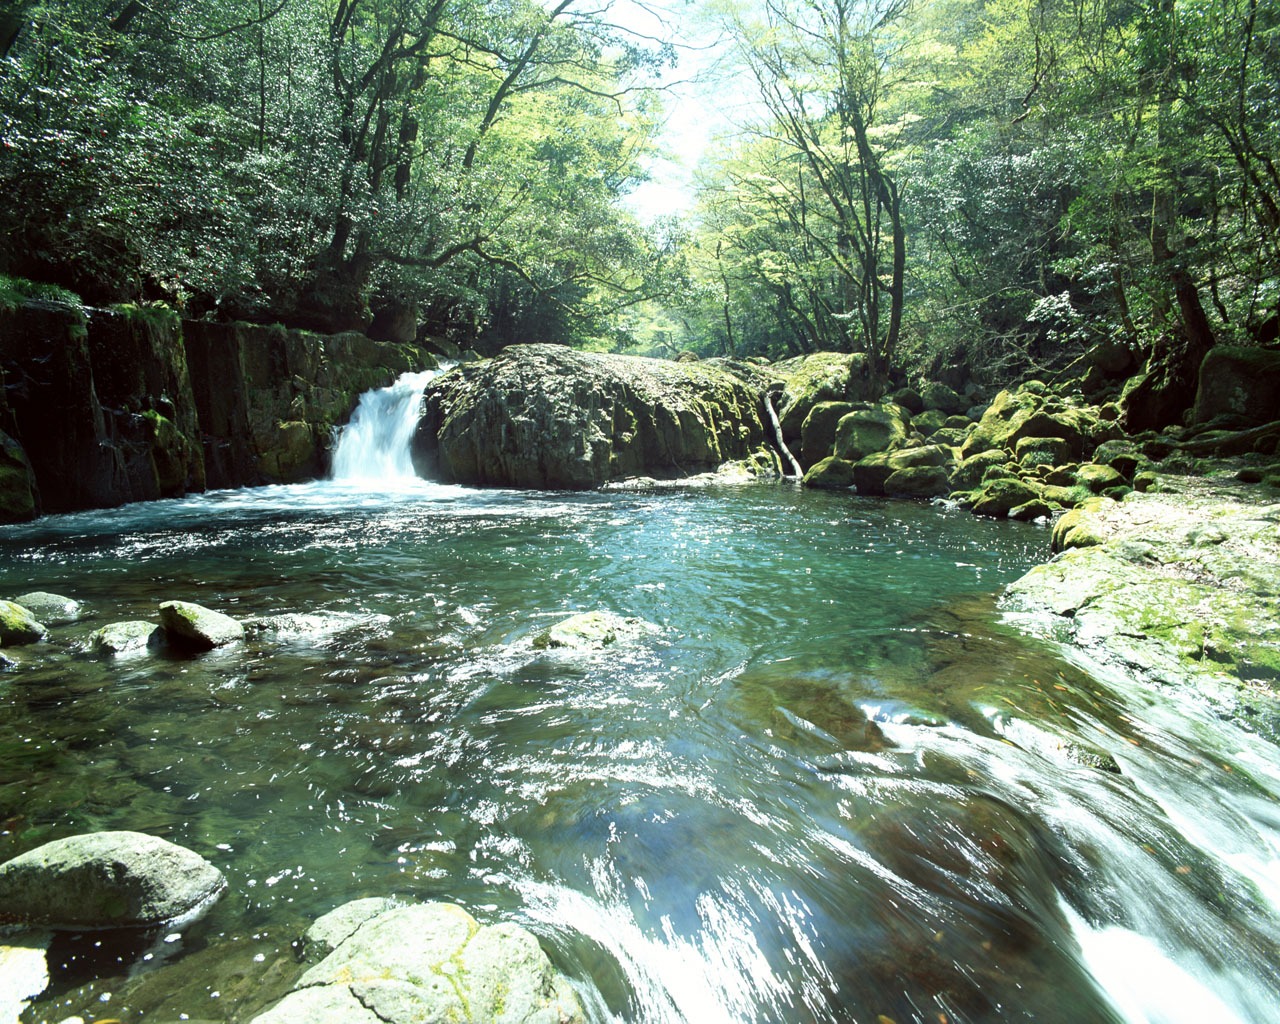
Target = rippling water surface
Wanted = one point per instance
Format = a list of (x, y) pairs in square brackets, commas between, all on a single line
[(821, 785)]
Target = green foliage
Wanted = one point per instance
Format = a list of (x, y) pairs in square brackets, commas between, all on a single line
[(15, 291)]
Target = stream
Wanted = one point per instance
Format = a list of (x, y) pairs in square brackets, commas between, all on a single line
[(824, 781)]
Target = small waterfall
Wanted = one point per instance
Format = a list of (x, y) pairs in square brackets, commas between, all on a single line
[(374, 445)]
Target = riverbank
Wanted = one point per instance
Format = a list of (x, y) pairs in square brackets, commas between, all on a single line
[(1178, 586)]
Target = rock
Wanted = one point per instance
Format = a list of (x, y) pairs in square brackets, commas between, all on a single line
[(1098, 478), (1043, 451), (1122, 456), (929, 422), (1238, 385), (547, 416), (335, 927), (1076, 529), (1112, 358), (936, 395), (1170, 588), (918, 482), (431, 962), (106, 880), (123, 637), (909, 398), (50, 609), (24, 972), (973, 470), (1031, 511), (818, 433), (193, 626), (590, 631), (18, 626), (830, 474), (999, 497), (819, 377), (1026, 413), (1067, 497), (873, 428), (871, 475), (17, 498)]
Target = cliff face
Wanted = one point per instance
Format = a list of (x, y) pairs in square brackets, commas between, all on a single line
[(103, 407)]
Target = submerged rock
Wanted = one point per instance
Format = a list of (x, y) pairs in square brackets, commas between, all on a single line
[(590, 631), (199, 628), (18, 626), (122, 637), (106, 880), (430, 962), (51, 609), (546, 416)]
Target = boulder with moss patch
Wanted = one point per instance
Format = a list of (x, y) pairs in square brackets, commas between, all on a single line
[(198, 628), (830, 474), (431, 962), (547, 416), (870, 429), (18, 626)]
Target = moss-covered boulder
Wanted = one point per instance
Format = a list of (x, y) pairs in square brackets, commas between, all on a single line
[(939, 397), (547, 416), (1043, 451), (872, 428), (974, 469), (999, 497), (1028, 413), (1077, 528), (918, 482), (1098, 478), (819, 377), (18, 626), (928, 422), (1238, 385), (830, 474), (818, 433)]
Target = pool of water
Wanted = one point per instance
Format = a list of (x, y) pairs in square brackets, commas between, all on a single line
[(820, 783)]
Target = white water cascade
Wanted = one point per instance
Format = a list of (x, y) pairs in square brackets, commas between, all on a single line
[(374, 446)]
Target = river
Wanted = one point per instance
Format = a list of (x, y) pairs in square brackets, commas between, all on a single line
[(822, 782)]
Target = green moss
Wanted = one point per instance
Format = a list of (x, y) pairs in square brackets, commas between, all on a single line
[(16, 291), (155, 314)]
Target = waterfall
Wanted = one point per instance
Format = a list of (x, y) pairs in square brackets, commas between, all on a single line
[(375, 444)]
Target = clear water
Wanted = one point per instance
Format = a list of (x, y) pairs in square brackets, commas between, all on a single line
[(823, 785)]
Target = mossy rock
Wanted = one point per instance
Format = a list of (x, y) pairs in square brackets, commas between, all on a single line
[(918, 482), (198, 628), (909, 398), (1043, 451), (939, 397), (1076, 529), (830, 474), (929, 422), (818, 433), (1031, 511), (953, 437), (875, 428), (1098, 478), (1000, 497), (819, 377), (18, 626), (123, 637), (971, 471), (1067, 497), (51, 609), (1023, 414)]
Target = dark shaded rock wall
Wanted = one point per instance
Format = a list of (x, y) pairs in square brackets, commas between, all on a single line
[(103, 407)]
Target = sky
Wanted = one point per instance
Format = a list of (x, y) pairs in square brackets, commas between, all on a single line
[(696, 110)]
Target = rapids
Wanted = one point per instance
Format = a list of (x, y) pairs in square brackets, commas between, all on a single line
[(827, 784)]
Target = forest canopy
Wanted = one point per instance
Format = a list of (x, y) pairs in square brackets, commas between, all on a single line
[(1000, 182)]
